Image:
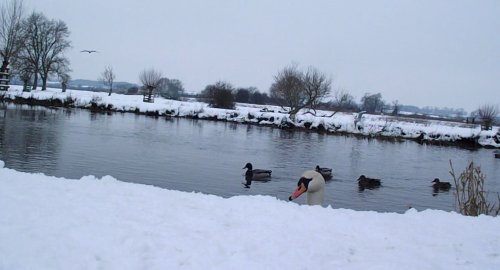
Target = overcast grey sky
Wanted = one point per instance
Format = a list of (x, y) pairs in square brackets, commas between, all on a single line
[(425, 52)]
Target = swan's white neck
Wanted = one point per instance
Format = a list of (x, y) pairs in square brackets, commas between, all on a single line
[(316, 188)]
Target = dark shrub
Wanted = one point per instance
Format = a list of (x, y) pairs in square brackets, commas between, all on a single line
[(220, 95)]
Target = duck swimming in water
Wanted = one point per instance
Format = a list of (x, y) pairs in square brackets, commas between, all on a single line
[(438, 185), (313, 183), (325, 172), (365, 182), (255, 174)]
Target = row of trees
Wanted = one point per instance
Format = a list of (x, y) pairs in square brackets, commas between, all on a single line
[(152, 81), (223, 95), (293, 89), (34, 45), (251, 95)]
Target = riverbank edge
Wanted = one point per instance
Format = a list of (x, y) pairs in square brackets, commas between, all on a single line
[(471, 143)]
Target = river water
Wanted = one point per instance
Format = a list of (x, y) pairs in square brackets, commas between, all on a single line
[(208, 156)]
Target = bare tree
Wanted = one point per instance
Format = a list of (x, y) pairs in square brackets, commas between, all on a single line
[(62, 71), (487, 113), (298, 90), (64, 78), (151, 79), (107, 78), (23, 69), (288, 89), (11, 16), (342, 100), (45, 42), (31, 52), (372, 103), (396, 107), (317, 86), (54, 43), (170, 88)]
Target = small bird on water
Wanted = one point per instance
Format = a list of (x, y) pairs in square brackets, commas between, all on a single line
[(253, 174), (325, 172), (366, 182), (438, 185)]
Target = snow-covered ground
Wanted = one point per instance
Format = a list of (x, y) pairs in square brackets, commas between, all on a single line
[(56, 223), (367, 125)]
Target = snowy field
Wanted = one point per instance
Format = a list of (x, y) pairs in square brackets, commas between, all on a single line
[(56, 223), (367, 125)]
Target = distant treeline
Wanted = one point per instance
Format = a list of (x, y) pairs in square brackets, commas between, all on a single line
[(254, 96)]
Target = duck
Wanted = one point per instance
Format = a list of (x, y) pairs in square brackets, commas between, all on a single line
[(254, 174), (325, 172), (313, 184), (438, 185), (365, 182)]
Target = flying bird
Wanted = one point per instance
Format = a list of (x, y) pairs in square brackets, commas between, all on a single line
[(89, 51)]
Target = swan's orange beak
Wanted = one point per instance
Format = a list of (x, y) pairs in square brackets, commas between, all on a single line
[(301, 189)]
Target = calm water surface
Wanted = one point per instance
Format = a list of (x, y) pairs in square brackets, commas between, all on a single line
[(207, 156)]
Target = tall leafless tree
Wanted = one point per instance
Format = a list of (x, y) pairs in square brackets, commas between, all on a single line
[(64, 78), (396, 107), (11, 16), (170, 88), (288, 89), (62, 71), (31, 52), (151, 79), (343, 100), (488, 113), (107, 78), (24, 70), (298, 90), (317, 86), (372, 103), (45, 43), (54, 43)]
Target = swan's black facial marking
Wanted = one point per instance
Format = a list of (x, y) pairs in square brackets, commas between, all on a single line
[(304, 181)]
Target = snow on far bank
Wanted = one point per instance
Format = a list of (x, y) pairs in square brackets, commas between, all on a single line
[(91, 223), (367, 125)]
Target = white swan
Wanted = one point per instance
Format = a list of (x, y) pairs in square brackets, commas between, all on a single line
[(313, 183)]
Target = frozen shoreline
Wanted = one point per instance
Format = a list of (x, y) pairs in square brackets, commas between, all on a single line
[(371, 126)]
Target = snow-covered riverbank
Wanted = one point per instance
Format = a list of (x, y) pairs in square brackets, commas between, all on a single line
[(425, 131), (90, 223)]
